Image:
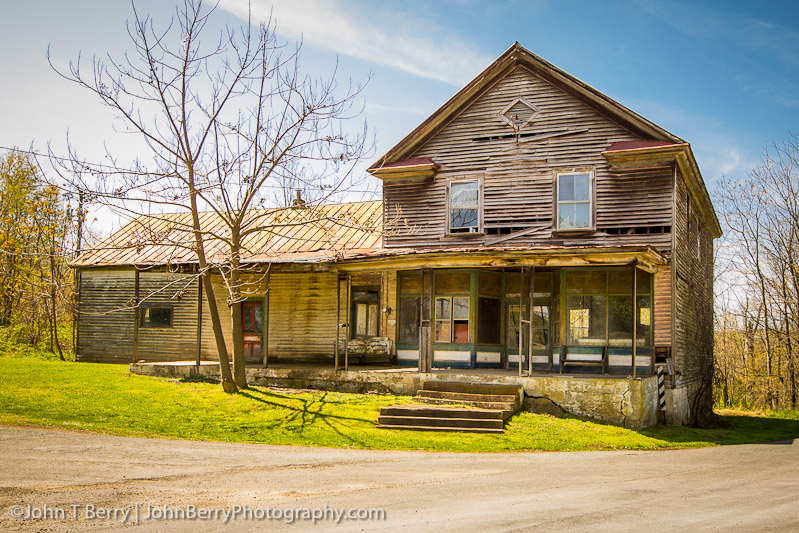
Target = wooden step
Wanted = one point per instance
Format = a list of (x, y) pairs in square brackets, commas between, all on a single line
[(468, 397), (440, 412), (507, 409), (448, 429), (473, 388), (428, 421)]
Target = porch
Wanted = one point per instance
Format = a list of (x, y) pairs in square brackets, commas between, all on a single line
[(611, 398)]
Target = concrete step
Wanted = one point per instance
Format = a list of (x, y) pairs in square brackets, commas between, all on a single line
[(473, 388), (468, 397), (427, 421), (448, 429), (439, 412)]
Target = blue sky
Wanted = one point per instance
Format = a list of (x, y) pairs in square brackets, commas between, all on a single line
[(724, 75)]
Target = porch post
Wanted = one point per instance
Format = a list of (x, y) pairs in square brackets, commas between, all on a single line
[(265, 322), (422, 339), (136, 314), (635, 311), (338, 319), (532, 318), (347, 329), (199, 347), (521, 321)]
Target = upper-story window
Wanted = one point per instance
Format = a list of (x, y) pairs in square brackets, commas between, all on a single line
[(574, 201), (464, 206)]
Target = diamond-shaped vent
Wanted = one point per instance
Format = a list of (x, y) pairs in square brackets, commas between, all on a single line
[(519, 113)]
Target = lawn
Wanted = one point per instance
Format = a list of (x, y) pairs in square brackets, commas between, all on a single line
[(109, 399)]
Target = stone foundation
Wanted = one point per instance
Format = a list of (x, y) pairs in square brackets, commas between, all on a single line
[(619, 400)]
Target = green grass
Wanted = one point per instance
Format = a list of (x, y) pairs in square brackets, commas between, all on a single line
[(107, 398)]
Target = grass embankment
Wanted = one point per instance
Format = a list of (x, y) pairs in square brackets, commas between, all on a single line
[(107, 398)]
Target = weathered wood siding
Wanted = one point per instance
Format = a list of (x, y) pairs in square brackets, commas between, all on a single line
[(179, 292), (693, 291), (518, 176), (106, 315), (253, 287), (302, 316), (663, 306)]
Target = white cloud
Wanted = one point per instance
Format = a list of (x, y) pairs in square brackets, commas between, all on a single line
[(394, 39)]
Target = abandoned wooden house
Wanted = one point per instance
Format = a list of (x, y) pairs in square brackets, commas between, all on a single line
[(531, 231)]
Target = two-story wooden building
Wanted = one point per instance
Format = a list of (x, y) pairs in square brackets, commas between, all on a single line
[(531, 229)]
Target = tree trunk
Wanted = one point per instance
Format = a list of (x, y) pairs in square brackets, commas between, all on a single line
[(239, 365)]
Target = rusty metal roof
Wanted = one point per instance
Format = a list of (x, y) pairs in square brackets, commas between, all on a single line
[(296, 234)]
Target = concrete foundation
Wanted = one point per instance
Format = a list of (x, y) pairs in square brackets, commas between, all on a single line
[(619, 400)]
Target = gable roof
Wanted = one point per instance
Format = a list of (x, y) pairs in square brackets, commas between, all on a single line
[(296, 234), (399, 160), (515, 56)]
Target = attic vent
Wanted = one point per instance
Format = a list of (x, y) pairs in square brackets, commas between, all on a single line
[(519, 113)]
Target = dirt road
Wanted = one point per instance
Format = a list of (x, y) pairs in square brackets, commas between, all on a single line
[(61, 480)]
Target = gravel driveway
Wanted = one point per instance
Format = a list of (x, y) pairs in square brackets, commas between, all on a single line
[(63, 480)]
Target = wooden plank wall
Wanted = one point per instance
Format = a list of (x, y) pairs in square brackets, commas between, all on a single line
[(693, 263), (519, 176), (106, 318), (178, 291), (302, 316), (663, 299)]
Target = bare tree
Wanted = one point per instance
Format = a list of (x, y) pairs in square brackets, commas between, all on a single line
[(761, 215), (230, 124)]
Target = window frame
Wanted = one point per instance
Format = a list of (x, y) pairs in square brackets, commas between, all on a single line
[(448, 214), (144, 309), (591, 201)]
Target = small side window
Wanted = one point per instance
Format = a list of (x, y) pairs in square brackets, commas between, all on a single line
[(573, 193), (155, 317), (464, 207)]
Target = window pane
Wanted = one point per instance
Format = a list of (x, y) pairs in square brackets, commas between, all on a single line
[(443, 331), (409, 320), (489, 320), (464, 194), (361, 317), (586, 320), (358, 295), (460, 308), (371, 325), (489, 284), (582, 188), (582, 215), (540, 338), (461, 332), (644, 327), (463, 218), (453, 283), (620, 281), (644, 283), (566, 188), (566, 216), (410, 283), (587, 282), (541, 316), (247, 318), (156, 317), (443, 310), (620, 320), (258, 313), (372, 296)]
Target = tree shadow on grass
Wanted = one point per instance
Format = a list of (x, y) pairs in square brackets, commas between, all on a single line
[(309, 412), (735, 429)]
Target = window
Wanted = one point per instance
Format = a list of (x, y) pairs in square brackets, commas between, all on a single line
[(155, 317), (410, 300), (600, 308), (574, 201), (452, 319), (365, 311), (464, 207)]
